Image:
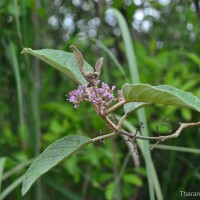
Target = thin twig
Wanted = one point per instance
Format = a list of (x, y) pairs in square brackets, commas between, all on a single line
[(121, 121), (131, 147), (159, 138), (110, 123), (154, 145), (102, 137), (162, 138), (86, 182), (111, 109)]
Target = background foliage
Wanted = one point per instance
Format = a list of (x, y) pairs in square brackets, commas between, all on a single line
[(33, 106)]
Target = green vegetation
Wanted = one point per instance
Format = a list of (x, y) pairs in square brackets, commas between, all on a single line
[(153, 43)]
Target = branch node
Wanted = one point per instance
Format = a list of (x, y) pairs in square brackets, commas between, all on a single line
[(101, 140)]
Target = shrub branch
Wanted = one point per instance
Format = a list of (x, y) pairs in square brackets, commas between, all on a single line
[(101, 98), (132, 135)]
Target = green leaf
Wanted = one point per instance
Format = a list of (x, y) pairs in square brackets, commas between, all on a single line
[(109, 190), (62, 61), (133, 106), (162, 94), (133, 179), (194, 58), (53, 154)]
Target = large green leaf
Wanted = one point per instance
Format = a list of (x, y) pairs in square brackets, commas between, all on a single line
[(133, 106), (53, 154), (62, 61), (162, 94)]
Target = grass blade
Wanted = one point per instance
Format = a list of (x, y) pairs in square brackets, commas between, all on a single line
[(176, 148), (16, 169), (2, 163), (130, 54), (116, 62), (131, 58), (11, 54), (63, 190), (11, 187)]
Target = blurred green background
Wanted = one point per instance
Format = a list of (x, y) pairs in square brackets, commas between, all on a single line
[(34, 111)]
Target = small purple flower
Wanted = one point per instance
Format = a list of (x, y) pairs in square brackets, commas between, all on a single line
[(113, 87), (77, 96), (102, 110), (100, 96), (120, 95), (72, 99)]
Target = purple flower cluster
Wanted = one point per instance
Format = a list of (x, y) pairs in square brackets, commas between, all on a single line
[(77, 96), (100, 97)]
